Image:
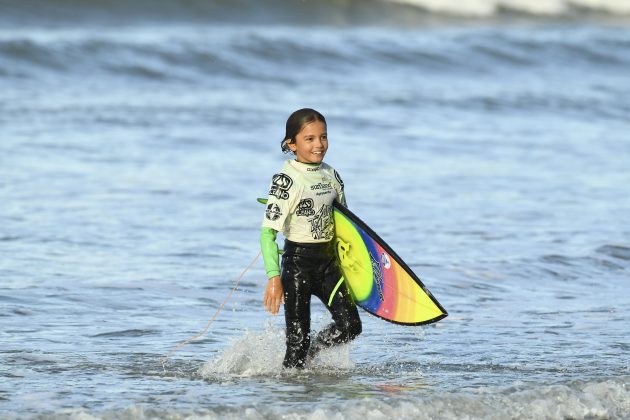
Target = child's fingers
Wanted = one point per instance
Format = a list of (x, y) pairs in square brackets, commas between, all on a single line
[(276, 306), (272, 303), (267, 302)]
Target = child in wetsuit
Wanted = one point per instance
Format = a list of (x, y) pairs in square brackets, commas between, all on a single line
[(300, 205)]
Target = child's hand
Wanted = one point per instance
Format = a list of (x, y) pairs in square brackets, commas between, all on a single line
[(274, 295)]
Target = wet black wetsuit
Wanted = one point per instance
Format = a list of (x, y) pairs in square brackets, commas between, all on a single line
[(311, 269)]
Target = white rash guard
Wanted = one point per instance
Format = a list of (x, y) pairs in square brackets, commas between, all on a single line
[(300, 201)]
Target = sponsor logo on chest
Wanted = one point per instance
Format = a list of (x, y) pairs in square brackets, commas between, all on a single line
[(322, 186), (305, 207)]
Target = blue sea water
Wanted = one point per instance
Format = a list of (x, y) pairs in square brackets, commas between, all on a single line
[(488, 142)]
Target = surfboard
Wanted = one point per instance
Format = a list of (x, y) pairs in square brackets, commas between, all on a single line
[(379, 281)]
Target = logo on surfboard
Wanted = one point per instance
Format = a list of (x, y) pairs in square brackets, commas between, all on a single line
[(378, 276), (385, 261)]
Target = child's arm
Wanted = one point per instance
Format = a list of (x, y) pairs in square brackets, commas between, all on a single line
[(274, 294), (341, 193), (342, 199), (269, 249)]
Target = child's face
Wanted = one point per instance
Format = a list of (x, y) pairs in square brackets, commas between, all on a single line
[(311, 143)]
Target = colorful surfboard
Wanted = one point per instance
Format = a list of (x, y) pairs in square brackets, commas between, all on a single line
[(379, 280)]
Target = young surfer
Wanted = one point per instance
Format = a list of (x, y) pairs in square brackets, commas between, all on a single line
[(300, 205)]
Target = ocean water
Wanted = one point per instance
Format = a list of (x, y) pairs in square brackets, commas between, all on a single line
[(487, 141)]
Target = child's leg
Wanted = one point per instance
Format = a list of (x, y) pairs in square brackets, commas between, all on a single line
[(297, 312), (346, 324)]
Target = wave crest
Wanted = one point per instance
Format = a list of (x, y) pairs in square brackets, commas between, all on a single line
[(486, 8), (192, 56), (334, 12)]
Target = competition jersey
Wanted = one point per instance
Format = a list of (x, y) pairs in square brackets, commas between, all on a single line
[(300, 203)]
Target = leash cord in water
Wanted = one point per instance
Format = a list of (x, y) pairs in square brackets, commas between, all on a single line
[(218, 311)]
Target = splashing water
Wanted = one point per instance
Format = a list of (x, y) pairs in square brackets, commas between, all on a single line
[(260, 353)]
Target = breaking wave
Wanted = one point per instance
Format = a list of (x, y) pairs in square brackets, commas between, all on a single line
[(335, 12), (258, 55)]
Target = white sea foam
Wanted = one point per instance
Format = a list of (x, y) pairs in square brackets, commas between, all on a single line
[(485, 8), (605, 399), (253, 353), (296, 12), (261, 353)]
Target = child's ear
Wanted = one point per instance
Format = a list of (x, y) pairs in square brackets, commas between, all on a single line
[(292, 145)]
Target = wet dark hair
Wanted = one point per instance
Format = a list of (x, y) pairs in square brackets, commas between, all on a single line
[(296, 121)]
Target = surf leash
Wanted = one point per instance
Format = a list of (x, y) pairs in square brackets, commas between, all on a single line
[(337, 286), (218, 311)]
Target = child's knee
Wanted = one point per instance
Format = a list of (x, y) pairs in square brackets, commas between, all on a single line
[(354, 329), (349, 330)]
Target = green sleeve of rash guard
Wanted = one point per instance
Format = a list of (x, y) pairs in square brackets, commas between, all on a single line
[(269, 249)]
